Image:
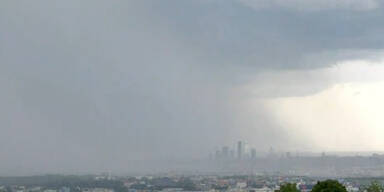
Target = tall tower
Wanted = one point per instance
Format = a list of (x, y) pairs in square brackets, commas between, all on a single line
[(239, 149), (253, 153), (225, 152)]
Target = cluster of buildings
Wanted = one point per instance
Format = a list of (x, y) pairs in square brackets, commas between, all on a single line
[(183, 183), (242, 150), (243, 159), (227, 184)]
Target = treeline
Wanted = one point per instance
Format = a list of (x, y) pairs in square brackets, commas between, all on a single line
[(331, 186)]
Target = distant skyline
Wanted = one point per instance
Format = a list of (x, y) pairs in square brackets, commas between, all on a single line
[(93, 84), (263, 152)]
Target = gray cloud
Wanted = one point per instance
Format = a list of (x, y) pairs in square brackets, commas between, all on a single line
[(314, 5), (91, 85)]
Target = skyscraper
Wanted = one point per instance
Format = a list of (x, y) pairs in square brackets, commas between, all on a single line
[(239, 149), (253, 153), (217, 155), (232, 154), (225, 152)]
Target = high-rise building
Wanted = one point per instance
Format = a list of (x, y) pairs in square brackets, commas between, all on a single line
[(246, 154), (217, 155), (288, 155), (225, 152), (253, 153), (239, 149), (232, 153), (271, 153)]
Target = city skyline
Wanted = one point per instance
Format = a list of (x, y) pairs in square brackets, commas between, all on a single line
[(250, 152)]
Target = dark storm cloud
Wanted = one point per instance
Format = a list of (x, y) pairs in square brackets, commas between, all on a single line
[(272, 36), (90, 85)]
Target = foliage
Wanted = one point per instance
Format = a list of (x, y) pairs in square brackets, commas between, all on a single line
[(288, 187), (375, 186), (329, 186)]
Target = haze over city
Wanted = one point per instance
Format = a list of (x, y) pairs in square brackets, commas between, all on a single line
[(130, 85)]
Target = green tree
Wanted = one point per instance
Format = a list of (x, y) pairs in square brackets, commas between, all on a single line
[(288, 187), (329, 186), (375, 186)]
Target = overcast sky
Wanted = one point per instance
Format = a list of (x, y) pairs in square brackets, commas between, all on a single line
[(90, 83)]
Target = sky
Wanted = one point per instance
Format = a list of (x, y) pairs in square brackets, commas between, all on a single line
[(91, 85)]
